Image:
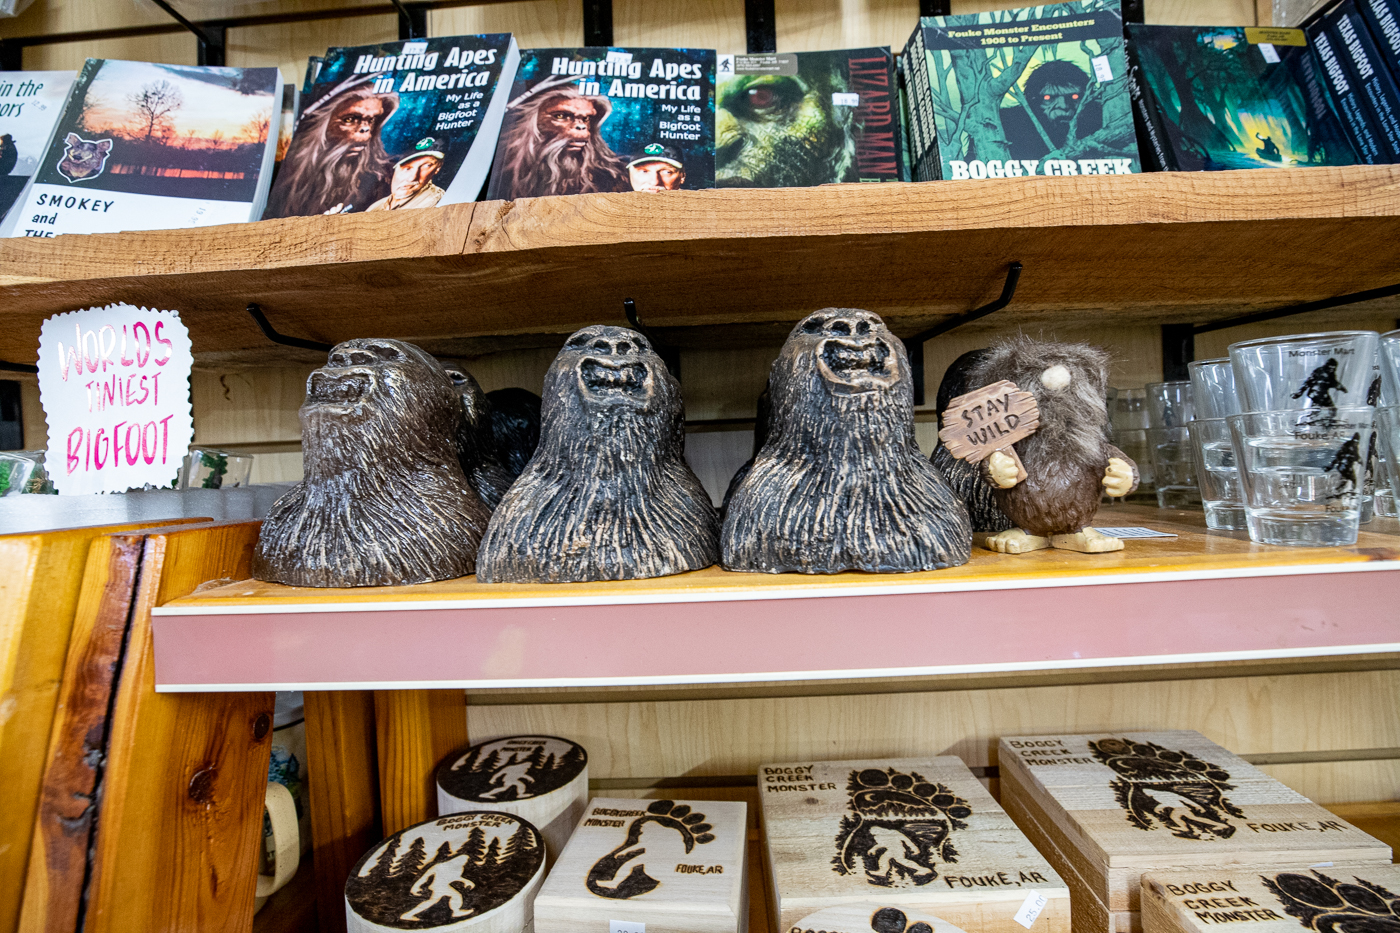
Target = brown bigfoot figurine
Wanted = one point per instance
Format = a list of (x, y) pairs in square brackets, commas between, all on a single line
[(1068, 461)]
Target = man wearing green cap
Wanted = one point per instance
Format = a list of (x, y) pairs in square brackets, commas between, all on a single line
[(658, 168), (412, 183)]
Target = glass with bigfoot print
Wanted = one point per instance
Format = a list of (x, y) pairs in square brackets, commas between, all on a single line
[(1310, 371)]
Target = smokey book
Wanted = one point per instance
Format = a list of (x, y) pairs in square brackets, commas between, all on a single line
[(1041, 90), (1232, 97), (143, 146), (792, 120), (601, 119), (401, 125)]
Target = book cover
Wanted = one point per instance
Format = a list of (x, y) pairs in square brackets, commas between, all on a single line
[(1350, 104), (793, 120), (1383, 20), (143, 146), (286, 123), (1041, 90), (30, 105), (608, 119), (400, 125), (1233, 97), (1359, 55)]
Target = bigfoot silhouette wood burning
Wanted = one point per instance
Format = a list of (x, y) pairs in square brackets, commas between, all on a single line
[(384, 500), (840, 483), (608, 494)]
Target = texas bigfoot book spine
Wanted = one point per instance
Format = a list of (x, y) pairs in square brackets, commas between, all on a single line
[(1231, 97), (1378, 91), (1383, 20), (584, 120), (1349, 98), (1041, 90), (799, 119), (143, 146), (398, 125)]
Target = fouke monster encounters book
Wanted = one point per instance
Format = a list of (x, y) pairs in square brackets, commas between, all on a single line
[(797, 119), (606, 119), (399, 125), (1037, 91), (144, 146)]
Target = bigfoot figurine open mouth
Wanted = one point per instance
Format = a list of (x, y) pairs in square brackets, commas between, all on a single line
[(608, 494), (856, 361)]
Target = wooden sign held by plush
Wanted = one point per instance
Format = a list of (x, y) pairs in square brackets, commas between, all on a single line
[(988, 420)]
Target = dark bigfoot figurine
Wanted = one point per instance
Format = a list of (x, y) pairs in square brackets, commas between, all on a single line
[(966, 478), (840, 483), (384, 500), (760, 437), (476, 442), (608, 494), (1320, 385), (1344, 461), (515, 423)]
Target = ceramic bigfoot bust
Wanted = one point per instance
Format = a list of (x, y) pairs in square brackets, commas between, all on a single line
[(608, 494), (476, 441), (840, 483), (1069, 463), (384, 500)]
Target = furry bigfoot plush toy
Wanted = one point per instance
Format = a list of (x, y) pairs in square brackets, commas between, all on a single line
[(840, 483), (966, 478), (1068, 461), (608, 494)]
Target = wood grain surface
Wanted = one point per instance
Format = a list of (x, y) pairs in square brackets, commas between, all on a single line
[(417, 729)]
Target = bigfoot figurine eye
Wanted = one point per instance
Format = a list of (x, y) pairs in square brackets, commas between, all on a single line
[(1055, 378)]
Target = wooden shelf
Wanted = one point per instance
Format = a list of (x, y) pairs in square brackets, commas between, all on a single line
[(1195, 599), (472, 277)]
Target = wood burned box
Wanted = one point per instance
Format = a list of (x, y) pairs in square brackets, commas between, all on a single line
[(1106, 808), (916, 835), (1363, 899), (676, 866)]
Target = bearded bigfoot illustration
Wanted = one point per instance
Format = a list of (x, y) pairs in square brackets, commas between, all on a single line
[(336, 161), (552, 145), (384, 500)]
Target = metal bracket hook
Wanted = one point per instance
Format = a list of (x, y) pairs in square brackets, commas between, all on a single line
[(669, 355), (271, 333), (915, 344)]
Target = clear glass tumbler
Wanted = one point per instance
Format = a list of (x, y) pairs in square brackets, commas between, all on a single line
[(208, 468), (1169, 404), (1217, 474), (1128, 421), (1302, 473), (1387, 436), (1389, 359), (1331, 370), (1174, 468), (1213, 388)]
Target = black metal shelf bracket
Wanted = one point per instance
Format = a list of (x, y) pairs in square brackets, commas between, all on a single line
[(1385, 291), (915, 344), (669, 355), (1133, 11), (413, 20), (17, 368), (760, 26), (213, 40), (597, 23), (935, 7), (271, 333)]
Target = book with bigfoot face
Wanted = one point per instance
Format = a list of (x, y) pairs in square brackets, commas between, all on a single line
[(1041, 90), (797, 119)]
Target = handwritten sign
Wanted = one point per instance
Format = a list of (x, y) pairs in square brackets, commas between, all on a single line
[(115, 386), (989, 419)]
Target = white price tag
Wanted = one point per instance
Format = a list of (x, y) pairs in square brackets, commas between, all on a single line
[(1030, 909), (1269, 52), (415, 48), (1102, 69), (626, 926), (1321, 865), (1134, 532), (619, 58), (841, 99)]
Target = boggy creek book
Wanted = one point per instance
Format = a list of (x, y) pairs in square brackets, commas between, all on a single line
[(607, 119)]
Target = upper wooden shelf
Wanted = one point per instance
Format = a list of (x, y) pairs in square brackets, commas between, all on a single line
[(1170, 247)]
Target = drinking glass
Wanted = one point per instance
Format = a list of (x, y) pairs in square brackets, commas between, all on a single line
[(18, 468), (1174, 468), (208, 468), (1128, 421), (1387, 435), (1389, 359), (1213, 388), (1302, 473), (1169, 404), (1331, 370), (1217, 475)]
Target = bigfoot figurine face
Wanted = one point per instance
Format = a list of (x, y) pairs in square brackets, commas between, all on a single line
[(384, 500), (840, 483), (608, 494)]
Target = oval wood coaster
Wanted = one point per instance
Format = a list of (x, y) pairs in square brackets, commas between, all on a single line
[(871, 918), (475, 872), (539, 778)]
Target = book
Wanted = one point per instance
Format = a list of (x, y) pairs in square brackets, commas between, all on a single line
[(286, 123), (1233, 97), (1350, 105), (1041, 90), (797, 119), (144, 146), (30, 105), (608, 119), (1380, 96), (1383, 20), (399, 125)]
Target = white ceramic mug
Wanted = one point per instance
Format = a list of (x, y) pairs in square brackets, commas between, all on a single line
[(281, 842)]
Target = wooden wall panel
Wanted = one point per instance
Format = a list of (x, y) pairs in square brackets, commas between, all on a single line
[(176, 48), (1342, 781), (535, 23), (288, 46)]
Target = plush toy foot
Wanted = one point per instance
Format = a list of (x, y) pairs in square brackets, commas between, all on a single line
[(1087, 541), (1015, 541)]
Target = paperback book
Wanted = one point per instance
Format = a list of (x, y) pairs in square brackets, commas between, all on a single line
[(1383, 20), (400, 125), (30, 105), (607, 119), (1349, 99), (143, 146), (798, 119), (1041, 90), (1376, 87), (1233, 97)]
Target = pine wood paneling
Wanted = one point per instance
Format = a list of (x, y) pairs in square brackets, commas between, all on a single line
[(288, 46), (534, 23)]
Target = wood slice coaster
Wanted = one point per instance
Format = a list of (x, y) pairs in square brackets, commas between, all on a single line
[(475, 872), (1364, 899), (1108, 807), (871, 918), (671, 866), (921, 835), (539, 778)]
